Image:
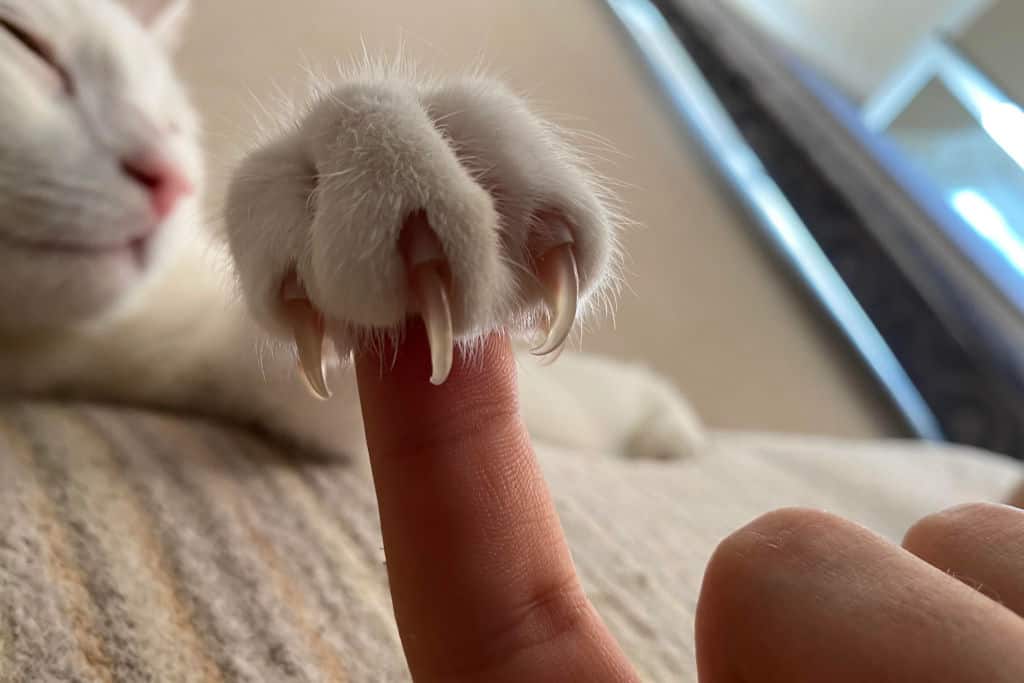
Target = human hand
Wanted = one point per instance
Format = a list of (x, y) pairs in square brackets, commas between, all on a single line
[(484, 587), (800, 595), (481, 578)]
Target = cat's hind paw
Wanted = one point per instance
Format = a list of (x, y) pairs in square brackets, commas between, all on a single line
[(670, 433)]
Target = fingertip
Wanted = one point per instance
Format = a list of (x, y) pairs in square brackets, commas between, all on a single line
[(406, 414), (407, 363)]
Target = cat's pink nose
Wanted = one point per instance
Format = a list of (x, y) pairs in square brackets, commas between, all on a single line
[(165, 182)]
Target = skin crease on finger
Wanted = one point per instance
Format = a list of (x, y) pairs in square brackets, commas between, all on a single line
[(800, 595)]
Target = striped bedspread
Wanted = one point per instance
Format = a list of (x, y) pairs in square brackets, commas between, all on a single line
[(144, 547)]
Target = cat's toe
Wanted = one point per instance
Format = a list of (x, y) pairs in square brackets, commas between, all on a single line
[(431, 290)]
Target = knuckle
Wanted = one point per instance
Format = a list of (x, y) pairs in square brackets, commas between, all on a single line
[(794, 537), (764, 562), (943, 528)]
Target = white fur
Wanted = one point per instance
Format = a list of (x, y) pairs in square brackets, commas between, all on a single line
[(326, 194)]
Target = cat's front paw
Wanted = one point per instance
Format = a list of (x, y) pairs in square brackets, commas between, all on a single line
[(390, 198)]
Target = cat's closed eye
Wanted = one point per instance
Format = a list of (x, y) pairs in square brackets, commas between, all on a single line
[(40, 49)]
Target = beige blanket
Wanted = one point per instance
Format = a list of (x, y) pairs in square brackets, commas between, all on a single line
[(137, 547)]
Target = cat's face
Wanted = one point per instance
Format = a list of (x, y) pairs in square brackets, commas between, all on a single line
[(99, 159)]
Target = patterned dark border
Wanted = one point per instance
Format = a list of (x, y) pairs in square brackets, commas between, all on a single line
[(973, 406)]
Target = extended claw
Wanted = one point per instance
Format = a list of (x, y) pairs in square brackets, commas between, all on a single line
[(426, 261), (308, 329), (560, 279)]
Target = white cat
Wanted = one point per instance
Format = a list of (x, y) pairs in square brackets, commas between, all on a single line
[(384, 196)]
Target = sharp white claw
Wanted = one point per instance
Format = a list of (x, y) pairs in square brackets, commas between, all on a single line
[(437, 316), (425, 260), (551, 357), (308, 329), (561, 281)]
